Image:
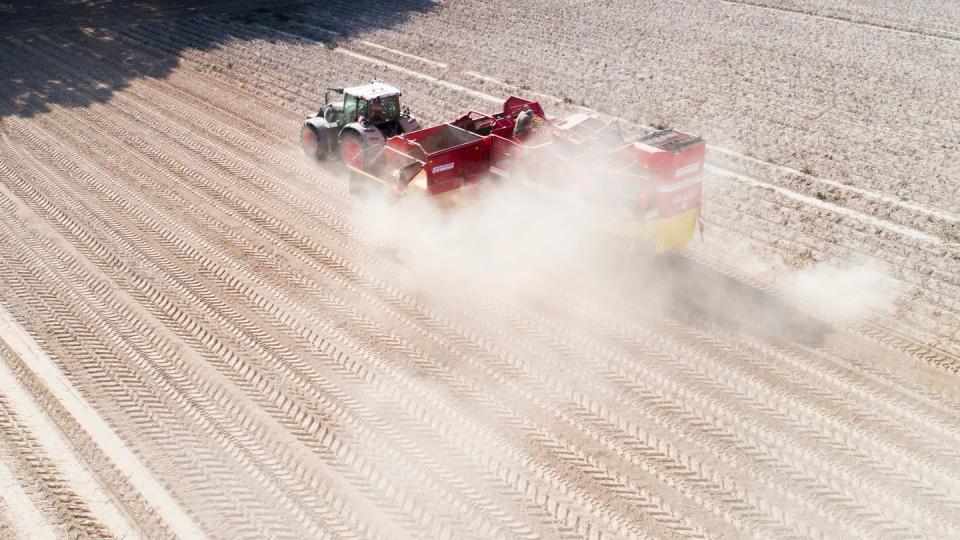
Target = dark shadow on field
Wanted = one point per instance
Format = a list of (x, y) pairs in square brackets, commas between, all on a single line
[(94, 36), (699, 296)]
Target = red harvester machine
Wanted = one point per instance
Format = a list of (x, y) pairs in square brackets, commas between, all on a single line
[(643, 190)]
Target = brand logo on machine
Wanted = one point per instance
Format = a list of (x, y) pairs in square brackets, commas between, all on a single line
[(441, 168), (693, 167)]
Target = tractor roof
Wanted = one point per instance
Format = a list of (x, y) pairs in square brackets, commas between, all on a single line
[(372, 91)]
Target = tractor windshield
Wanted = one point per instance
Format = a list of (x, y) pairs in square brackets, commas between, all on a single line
[(381, 110)]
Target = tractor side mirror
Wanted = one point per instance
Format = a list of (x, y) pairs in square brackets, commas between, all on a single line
[(405, 110)]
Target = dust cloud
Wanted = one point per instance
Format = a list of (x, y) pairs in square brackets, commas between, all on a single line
[(506, 239), (844, 292), (489, 237)]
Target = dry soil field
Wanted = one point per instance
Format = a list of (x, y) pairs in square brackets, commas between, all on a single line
[(203, 335)]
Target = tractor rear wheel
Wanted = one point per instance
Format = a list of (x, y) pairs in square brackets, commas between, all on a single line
[(313, 144), (352, 149)]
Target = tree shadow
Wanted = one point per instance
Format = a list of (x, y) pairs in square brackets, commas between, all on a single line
[(46, 44)]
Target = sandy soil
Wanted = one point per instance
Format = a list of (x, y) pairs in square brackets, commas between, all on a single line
[(938, 19), (204, 334)]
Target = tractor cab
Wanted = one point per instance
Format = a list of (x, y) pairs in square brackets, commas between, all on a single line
[(377, 103), (332, 112)]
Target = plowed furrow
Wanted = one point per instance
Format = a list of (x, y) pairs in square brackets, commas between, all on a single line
[(212, 294), (202, 338), (292, 84), (6, 521), (870, 238), (931, 32), (687, 358), (751, 358), (20, 516), (146, 359), (890, 465), (868, 350), (68, 510), (620, 391), (923, 284), (226, 325), (117, 396)]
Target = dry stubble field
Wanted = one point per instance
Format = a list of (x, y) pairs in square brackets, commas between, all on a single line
[(203, 337)]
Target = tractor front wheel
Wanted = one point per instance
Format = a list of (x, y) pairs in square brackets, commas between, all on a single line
[(351, 150), (313, 145)]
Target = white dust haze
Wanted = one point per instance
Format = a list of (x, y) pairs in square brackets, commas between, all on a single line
[(498, 237), (844, 292)]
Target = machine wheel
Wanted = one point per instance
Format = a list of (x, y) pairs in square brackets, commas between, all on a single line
[(351, 149), (313, 145)]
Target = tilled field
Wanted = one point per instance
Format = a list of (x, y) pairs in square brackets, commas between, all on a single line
[(201, 338)]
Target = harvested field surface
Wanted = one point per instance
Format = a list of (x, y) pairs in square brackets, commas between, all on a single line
[(935, 19), (202, 334)]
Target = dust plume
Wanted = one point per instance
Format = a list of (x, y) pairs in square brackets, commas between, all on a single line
[(501, 237), (844, 292)]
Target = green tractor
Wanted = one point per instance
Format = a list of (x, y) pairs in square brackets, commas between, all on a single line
[(354, 127)]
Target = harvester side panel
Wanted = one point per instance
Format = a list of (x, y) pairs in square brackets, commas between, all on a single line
[(451, 155), (675, 160), (506, 156)]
